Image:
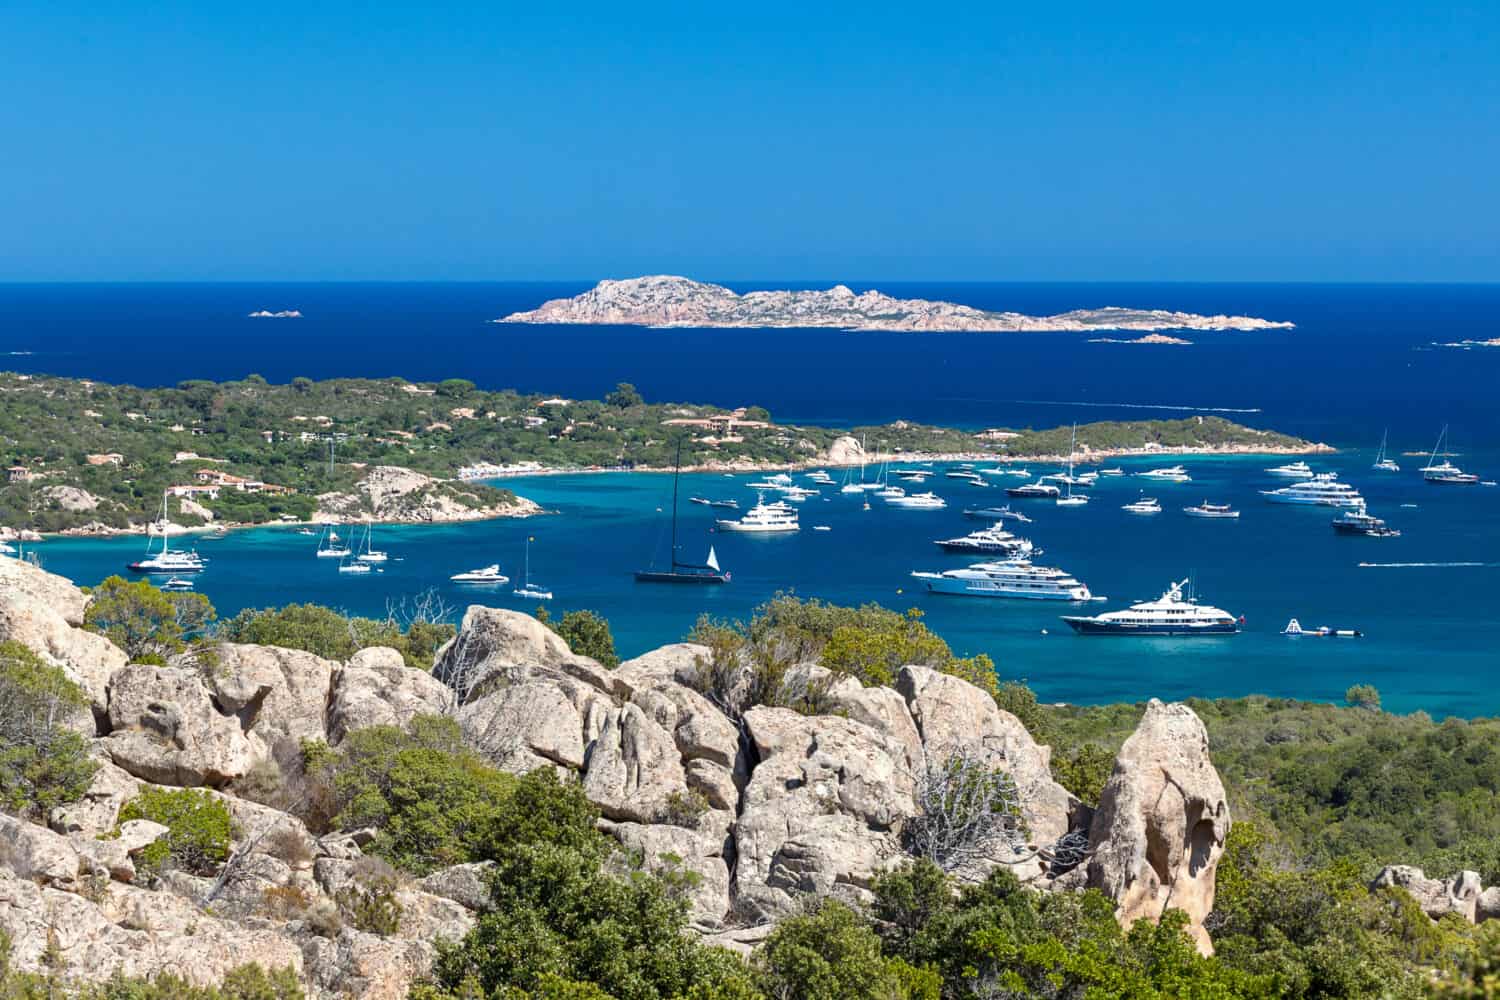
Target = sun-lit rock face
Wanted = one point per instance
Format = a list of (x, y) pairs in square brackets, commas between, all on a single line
[(669, 300)]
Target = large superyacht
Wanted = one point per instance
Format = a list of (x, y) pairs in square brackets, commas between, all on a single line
[(1011, 578)]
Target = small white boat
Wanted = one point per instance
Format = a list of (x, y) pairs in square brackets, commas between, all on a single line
[(1171, 474), (1206, 509), (489, 574), (1294, 628), (1145, 505), (821, 527), (1072, 500), (1293, 470), (177, 584), (527, 589), (919, 501), (1112, 472)]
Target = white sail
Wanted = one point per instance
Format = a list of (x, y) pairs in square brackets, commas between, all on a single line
[(712, 562)]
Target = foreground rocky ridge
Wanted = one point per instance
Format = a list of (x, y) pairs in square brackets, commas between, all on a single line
[(669, 300), (764, 809)]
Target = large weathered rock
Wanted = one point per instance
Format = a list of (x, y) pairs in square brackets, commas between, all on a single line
[(1162, 820), (822, 809), (464, 884), (49, 927), (1460, 894), (35, 852), (880, 708), (374, 691), (677, 662), (954, 716), (355, 964), (633, 768), (494, 645), (165, 729), (99, 808), (699, 729), (56, 592), (524, 725), (278, 694), (698, 852), (88, 659), (1487, 907)]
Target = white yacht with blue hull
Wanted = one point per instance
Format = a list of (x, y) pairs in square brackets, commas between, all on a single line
[(1170, 614)]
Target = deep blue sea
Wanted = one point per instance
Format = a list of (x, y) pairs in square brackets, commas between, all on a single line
[(1358, 362)]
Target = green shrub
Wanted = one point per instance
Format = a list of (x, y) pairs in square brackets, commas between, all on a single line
[(371, 906), (332, 635), (428, 796), (199, 829), (42, 763), (147, 623), (587, 634)]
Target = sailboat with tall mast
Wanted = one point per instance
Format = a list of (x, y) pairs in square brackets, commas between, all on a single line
[(370, 553), (167, 561), (1070, 499), (707, 572), (1384, 463), (1445, 473), (528, 589)]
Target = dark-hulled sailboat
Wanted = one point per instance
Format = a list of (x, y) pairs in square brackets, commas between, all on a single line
[(680, 572)]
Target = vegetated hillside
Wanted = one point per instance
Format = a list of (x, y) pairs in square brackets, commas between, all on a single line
[(322, 437), (328, 811)]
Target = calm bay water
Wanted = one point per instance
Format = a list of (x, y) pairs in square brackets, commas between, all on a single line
[(1357, 363)]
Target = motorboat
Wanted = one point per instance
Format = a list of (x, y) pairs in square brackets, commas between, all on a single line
[(1292, 470), (764, 518), (1033, 491), (1383, 462), (1112, 472), (489, 574), (996, 514), (355, 567), (1171, 474), (1170, 614), (1294, 628), (890, 492), (1322, 490), (1072, 500), (176, 585), (1206, 509), (991, 539), (1358, 521), (919, 501), (1445, 473), (1145, 505), (1013, 578), (724, 504)]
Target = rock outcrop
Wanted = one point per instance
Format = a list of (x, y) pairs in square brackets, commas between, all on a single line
[(1461, 894), (760, 811), (1162, 821)]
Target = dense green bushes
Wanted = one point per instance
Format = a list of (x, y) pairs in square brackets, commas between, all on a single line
[(147, 623), (43, 763), (586, 633), (430, 799), (198, 827), (335, 636)]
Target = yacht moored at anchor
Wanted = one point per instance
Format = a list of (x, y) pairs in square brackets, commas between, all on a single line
[(1322, 490), (1170, 614), (1013, 578), (992, 539)]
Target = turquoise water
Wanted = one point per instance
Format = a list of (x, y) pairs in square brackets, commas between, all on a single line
[(1431, 632)]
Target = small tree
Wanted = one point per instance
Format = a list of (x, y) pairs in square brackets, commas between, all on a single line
[(42, 763), (145, 622), (624, 396), (1363, 696), (588, 634), (198, 829)]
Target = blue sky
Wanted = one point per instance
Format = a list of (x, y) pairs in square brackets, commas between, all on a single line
[(1077, 141)]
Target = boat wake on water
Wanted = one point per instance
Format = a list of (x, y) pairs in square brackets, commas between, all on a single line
[(1427, 565), (1118, 406)]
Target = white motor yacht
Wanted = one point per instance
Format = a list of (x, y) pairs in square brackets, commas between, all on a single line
[(1322, 490), (919, 501), (1171, 474), (1145, 505), (764, 518), (489, 574), (1206, 509), (1170, 614), (991, 539), (1293, 470), (1016, 578)]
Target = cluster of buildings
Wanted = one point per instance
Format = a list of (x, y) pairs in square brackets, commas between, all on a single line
[(210, 483)]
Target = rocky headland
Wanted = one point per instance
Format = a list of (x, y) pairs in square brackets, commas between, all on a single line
[(669, 300)]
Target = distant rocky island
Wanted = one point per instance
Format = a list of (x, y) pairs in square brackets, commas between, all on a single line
[(283, 314), (669, 300), (1150, 338), (1466, 344)]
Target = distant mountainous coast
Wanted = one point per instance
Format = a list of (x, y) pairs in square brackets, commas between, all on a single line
[(669, 300)]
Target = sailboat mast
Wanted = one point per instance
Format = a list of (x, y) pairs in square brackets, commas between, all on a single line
[(676, 475)]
